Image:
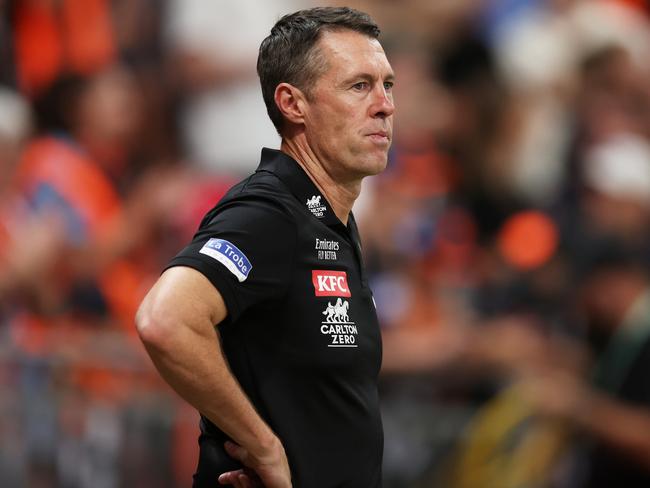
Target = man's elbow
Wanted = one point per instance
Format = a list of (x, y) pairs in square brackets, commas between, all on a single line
[(153, 325)]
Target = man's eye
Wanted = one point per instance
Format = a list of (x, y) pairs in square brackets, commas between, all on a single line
[(388, 85), (362, 85)]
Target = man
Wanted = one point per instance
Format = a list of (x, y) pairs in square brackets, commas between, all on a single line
[(286, 383)]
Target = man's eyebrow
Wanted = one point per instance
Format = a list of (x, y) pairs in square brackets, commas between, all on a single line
[(368, 77)]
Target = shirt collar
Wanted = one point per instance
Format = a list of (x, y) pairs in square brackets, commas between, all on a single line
[(299, 183)]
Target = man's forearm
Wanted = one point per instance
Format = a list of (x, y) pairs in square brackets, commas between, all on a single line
[(196, 369), (175, 323)]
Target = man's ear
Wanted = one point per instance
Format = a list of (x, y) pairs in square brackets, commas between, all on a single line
[(291, 103)]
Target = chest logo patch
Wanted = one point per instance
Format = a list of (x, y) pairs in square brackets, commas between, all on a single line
[(315, 206), (229, 255), (337, 326), (328, 283), (326, 250)]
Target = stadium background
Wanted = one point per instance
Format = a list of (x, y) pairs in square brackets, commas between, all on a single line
[(520, 166)]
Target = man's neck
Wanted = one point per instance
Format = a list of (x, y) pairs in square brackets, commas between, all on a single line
[(341, 195)]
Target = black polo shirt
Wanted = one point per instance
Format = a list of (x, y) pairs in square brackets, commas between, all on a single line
[(301, 335)]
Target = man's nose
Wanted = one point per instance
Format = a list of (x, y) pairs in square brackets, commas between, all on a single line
[(383, 105)]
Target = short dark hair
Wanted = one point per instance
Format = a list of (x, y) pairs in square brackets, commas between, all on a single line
[(289, 55)]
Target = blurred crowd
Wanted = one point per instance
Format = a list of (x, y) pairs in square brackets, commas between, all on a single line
[(508, 241)]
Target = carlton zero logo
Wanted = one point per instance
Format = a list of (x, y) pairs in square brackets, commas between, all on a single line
[(337, 326), (328, 283)]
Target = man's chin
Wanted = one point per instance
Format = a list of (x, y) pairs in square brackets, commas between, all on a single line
[(377, 165)]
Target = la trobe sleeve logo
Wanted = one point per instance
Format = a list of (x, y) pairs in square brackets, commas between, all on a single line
[(229, 255)]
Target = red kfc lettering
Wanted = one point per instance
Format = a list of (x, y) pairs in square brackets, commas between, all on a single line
[(328, 283)]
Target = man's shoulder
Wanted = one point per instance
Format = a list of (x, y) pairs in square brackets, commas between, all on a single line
[(261, 182), (261, 194)]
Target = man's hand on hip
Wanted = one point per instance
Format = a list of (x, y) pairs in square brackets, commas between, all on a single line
[(269, 470)]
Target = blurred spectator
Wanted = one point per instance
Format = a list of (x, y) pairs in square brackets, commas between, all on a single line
[(616, 200), (539, 49), (76, 250), (102, 217), (44, 40), (53, 37), (15, 128), (214, 44), (614, 413), (67, 175)]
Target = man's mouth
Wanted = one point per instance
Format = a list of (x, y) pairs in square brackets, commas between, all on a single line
[(380, 137)]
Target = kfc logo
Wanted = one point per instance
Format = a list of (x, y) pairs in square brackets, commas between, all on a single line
[(329, 283)]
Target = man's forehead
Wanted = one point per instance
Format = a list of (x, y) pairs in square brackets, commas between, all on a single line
[(346, 46), (343, 43)]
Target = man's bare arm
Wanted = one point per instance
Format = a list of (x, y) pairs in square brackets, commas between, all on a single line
[(176, 323)]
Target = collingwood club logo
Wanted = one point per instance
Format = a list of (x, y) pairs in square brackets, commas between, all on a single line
[(341, 331), (315, 206)]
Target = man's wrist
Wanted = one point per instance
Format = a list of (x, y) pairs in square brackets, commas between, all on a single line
[(266, 448)]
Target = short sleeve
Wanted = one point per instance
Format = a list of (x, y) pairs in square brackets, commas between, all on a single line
[(246, 250)]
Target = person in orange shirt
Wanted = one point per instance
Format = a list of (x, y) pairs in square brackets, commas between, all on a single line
[(69, 176)]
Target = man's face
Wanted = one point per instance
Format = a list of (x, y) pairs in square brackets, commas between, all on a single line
[(349, 115)]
